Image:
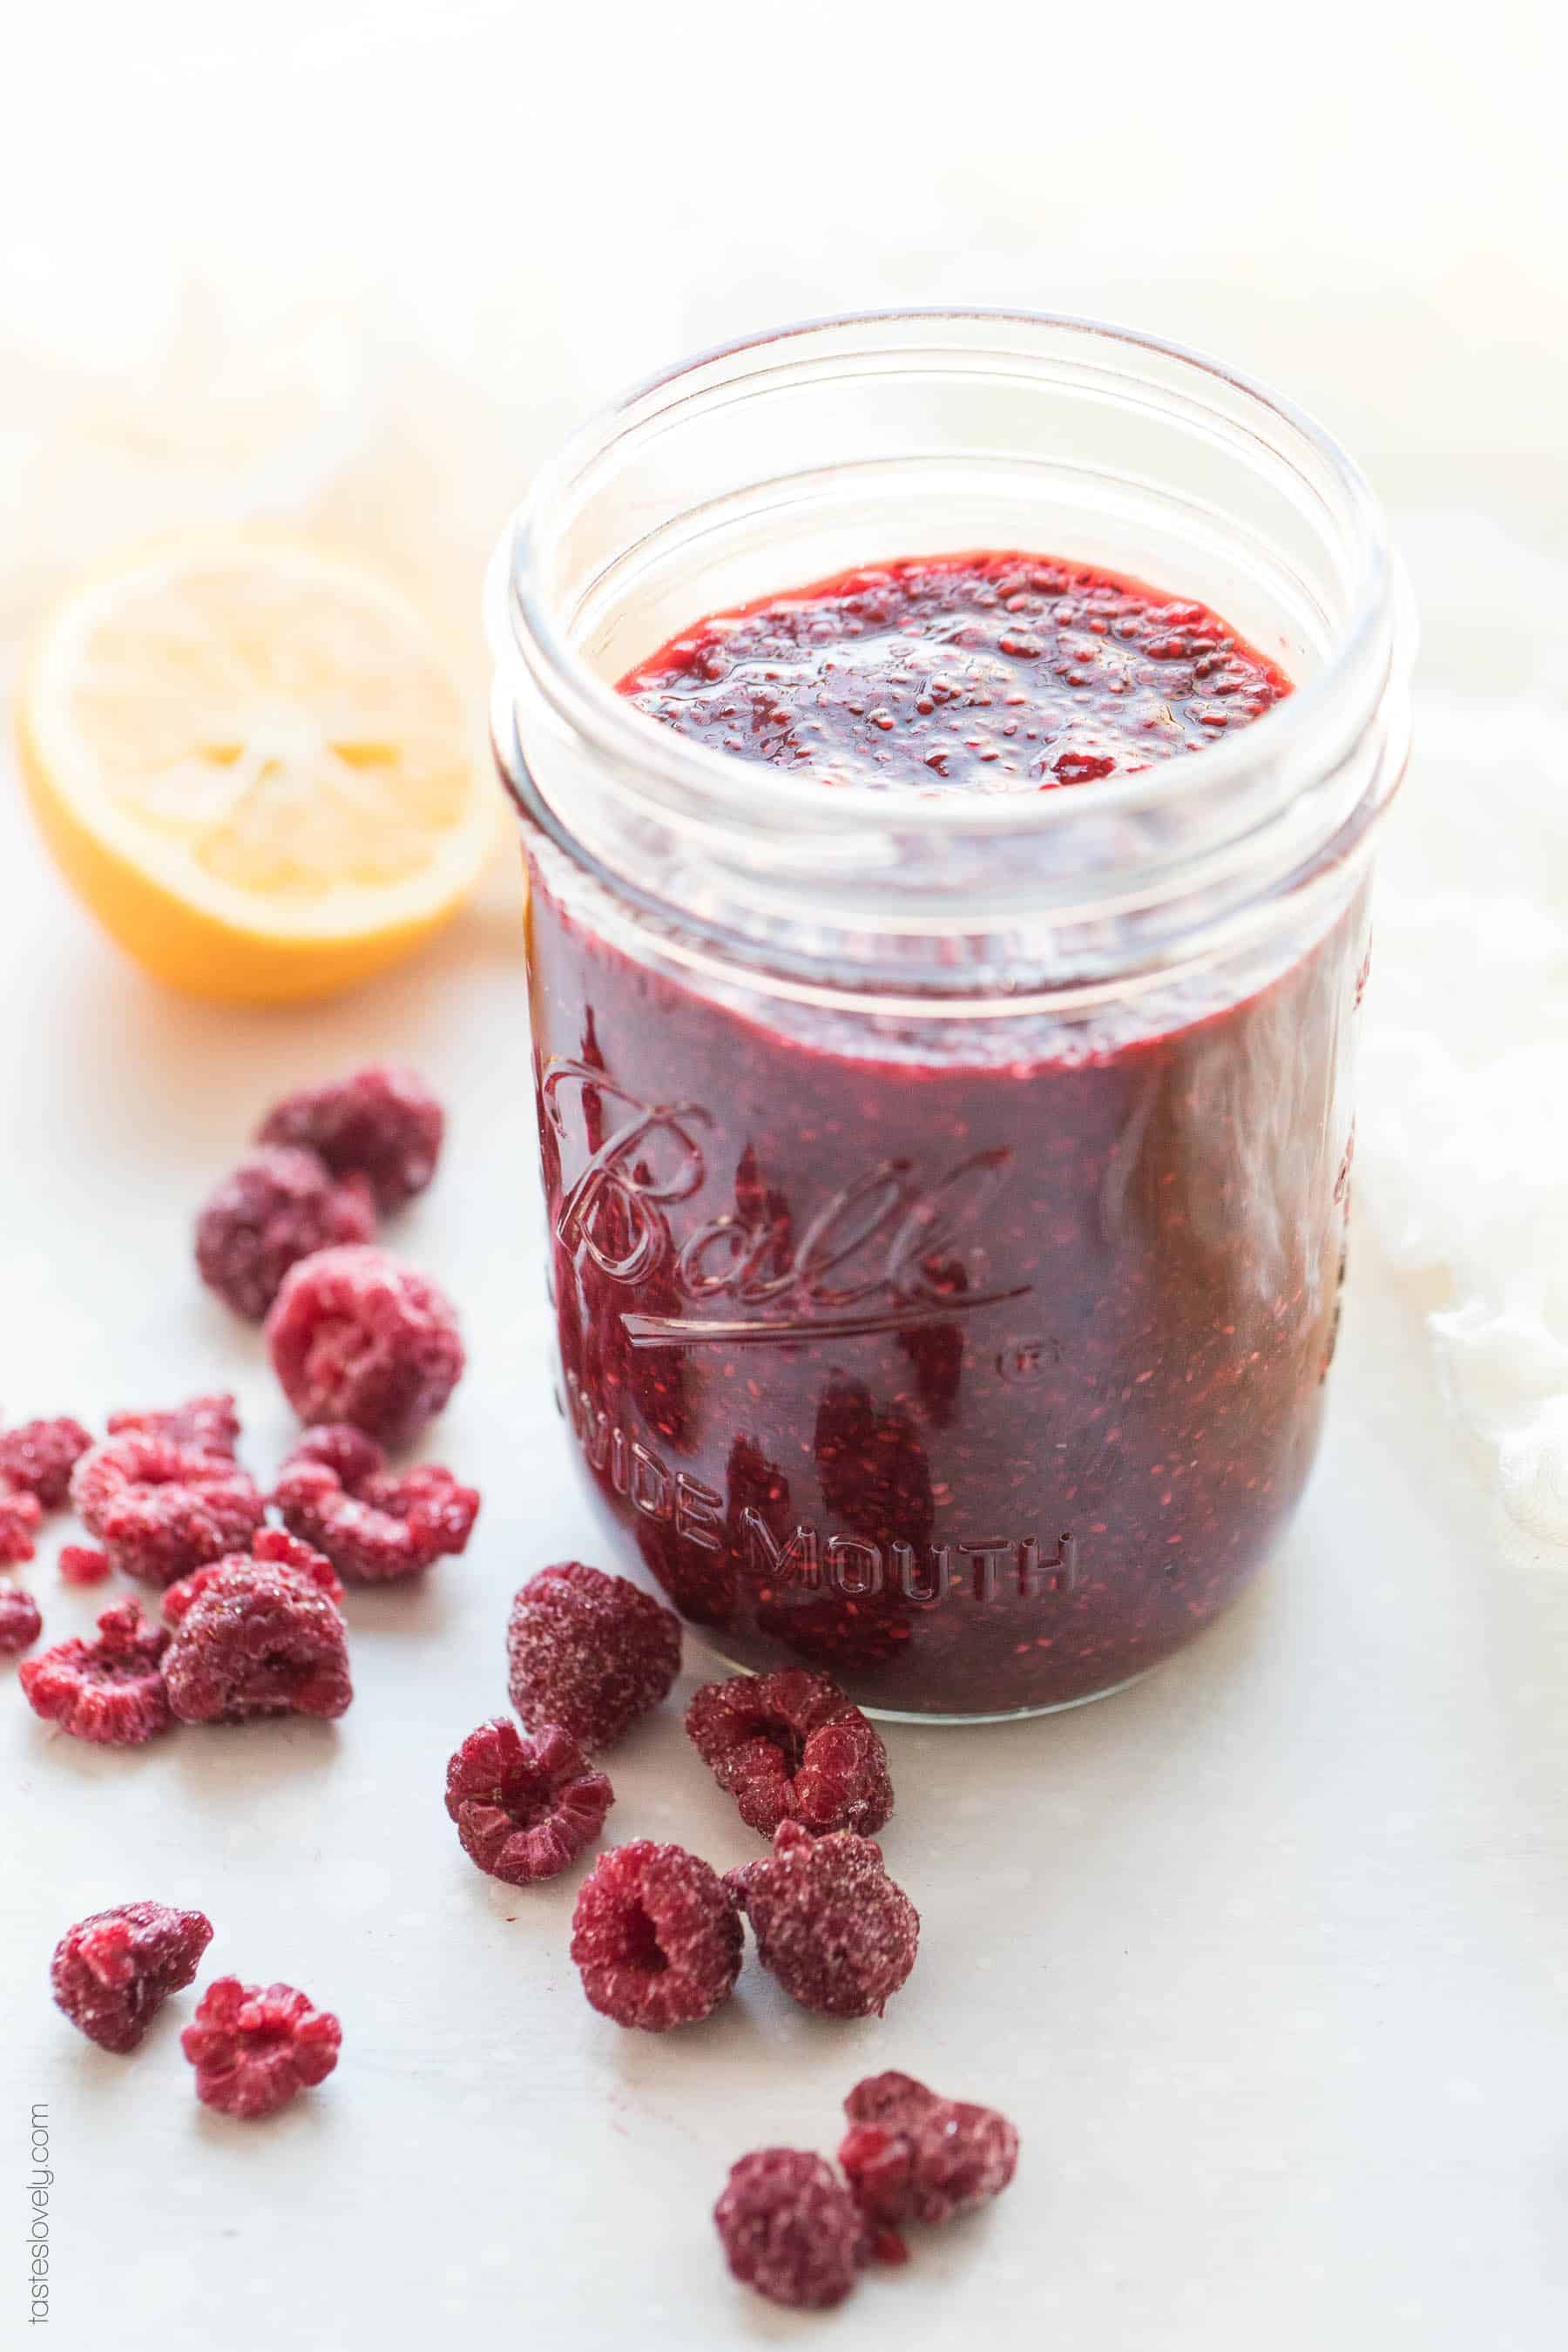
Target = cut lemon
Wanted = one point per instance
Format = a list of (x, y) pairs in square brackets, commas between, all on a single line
[(255, 764)]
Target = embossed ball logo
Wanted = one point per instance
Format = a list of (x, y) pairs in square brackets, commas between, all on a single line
[(881, 1253)]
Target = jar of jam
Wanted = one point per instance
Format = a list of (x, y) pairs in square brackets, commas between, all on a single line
[(950, 750)]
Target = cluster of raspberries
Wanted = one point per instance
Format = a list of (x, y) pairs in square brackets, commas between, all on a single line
[(800, 2232), (253, 2047), (657, 1934)]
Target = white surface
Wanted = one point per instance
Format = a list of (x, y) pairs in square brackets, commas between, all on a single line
[(1267, 1956)]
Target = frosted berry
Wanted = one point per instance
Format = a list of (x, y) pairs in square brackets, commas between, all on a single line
[(39, 1457), (160, 1510), (790, 2229), (20, 1623), (255, 2048), (207, 1424), (19, 1515), (589, 1651), (113, 1973), (355, 1337), (913, 2157), (379, 1122), (525, 1808), (259, 1634), (375, 1525), (276, 1207), (655, 1935), (110, 1691), (790, 1747), (830, 1924), (79, 1564)]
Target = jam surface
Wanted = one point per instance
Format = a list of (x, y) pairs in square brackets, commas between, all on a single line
[(973, 673), (982, 1383)]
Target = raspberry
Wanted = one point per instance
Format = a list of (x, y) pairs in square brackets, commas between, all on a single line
[(830, 1924), (259, 1636), (209, 1424), (79, 1564), (254, 2049), (791, 1746), (381, 1122), (274, 1208), (790, 2229), (356, 1337), (113, 1973), (110, 1691), (525, 1808), (913, 2156), (335, 1492), (589, 1651), (160, 1510), (19, 1515), (20, 1623), (39, 1457), (657, 1937)]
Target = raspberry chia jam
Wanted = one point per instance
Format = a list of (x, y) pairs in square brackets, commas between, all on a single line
[(944, 975)]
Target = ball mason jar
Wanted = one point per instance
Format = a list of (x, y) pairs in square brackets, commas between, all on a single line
[(946, 1195)]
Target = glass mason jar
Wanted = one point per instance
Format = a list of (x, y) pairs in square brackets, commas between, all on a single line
[(946, 1195)]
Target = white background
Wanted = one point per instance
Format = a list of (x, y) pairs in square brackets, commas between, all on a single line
[(1270, 1956)]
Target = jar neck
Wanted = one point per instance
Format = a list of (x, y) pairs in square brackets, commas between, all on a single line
[(863, 438)]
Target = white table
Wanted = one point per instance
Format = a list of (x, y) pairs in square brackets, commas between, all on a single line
[(1268, 1957)]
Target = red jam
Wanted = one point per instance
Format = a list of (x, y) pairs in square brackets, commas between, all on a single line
[(978, 1369)]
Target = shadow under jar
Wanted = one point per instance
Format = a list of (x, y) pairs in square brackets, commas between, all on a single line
[(947, 1190)]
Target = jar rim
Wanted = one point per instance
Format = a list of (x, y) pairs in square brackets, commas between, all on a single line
[(522, 621)]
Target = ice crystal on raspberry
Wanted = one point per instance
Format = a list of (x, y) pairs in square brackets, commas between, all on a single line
[(255, 2048), (790, 1747), (790, 2229), (113, 1973), (380, 1123), (19, 1515), (207, 1424), (913, 2157), (80, 1564), (375, 1525), (356, 1337), (525, 1808), (830, 1924), (589, 1651), (655, 1935), (259, 1634), (276, 1207), (160, 1510), (20, 1622), (37, 1458), (111, 1691)]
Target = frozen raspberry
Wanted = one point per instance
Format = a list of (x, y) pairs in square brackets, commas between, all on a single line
[(39, 1457), (791, 2229), (657, 1937), (20, 1623), (274, 1209), (911, 2156), (259, 1635), (356, 1337), (335, 1491), (253, 2049), (830, 1924), (19, 1515), (110, 1691), (525, 1808), (380, 1123), (160, 1510), (113, 1973), (589, 1651), (209, 1424), (790, 1747), (79, 1564)]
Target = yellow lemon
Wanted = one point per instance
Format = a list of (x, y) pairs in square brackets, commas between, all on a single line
[(255, 764)]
